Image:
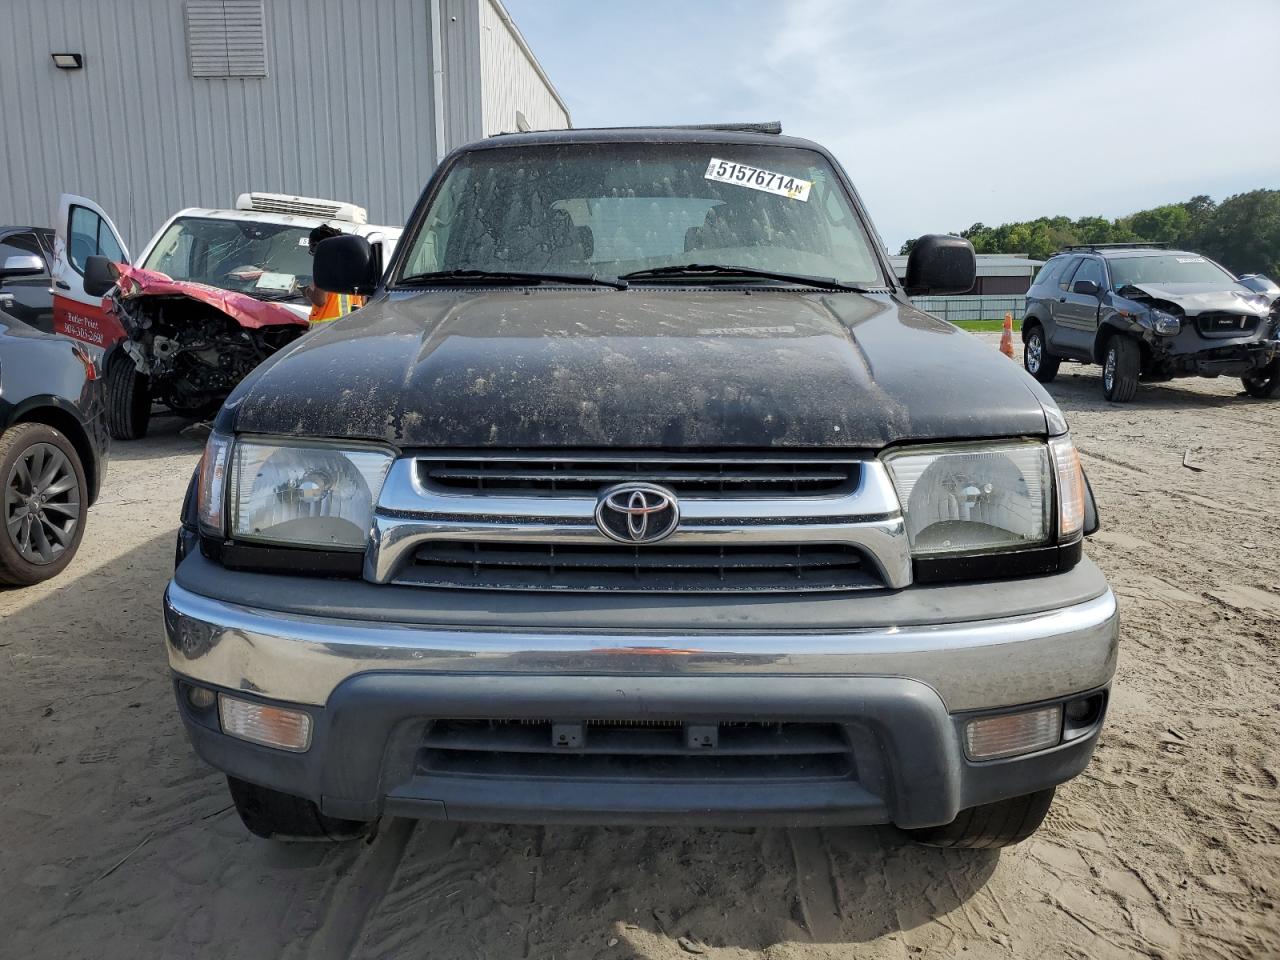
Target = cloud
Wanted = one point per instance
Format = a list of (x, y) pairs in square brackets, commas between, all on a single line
[(949, 112)]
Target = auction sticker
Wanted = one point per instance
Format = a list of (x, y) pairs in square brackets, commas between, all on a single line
[(727, 171)]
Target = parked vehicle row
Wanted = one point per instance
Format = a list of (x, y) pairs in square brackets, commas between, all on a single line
[(1148, 313)]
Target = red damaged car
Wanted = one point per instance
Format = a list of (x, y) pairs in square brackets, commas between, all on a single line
[(213, 294)]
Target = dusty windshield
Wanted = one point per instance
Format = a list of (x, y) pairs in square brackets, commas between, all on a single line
[(612, 209), (1174, 268), (265, 260)]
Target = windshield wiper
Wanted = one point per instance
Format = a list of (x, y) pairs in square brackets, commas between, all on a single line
[(276, 297), (720, 270), (446, 277)]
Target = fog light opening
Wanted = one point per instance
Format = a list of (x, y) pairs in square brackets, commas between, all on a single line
[(270, 726), (1082, 715), (200, 698), (1012, 734)]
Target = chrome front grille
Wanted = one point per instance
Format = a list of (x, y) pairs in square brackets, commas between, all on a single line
[(621, 568), (766, 523), (690, 476)]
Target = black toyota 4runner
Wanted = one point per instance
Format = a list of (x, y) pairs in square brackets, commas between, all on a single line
[(1148, 313), (639, 492)]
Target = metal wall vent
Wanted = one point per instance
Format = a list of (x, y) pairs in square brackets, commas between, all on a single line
[(227, 38)]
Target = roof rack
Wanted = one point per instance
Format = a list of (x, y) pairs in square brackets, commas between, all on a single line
[(773, 127), (1155, 244)]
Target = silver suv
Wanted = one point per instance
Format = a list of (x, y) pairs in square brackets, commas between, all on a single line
[(1148, 313)]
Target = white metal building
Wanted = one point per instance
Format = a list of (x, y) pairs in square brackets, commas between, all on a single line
[(148, 106)]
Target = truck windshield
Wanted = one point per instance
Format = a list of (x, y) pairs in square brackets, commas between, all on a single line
[(616, 208), (265, 260), (1174, 268)]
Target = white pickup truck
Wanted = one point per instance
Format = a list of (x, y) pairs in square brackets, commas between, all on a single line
[(213, 293)]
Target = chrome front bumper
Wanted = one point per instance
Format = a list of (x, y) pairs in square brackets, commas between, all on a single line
[(971, 665)]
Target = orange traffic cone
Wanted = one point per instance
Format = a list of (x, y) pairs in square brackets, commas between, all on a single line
[(1006, 338)]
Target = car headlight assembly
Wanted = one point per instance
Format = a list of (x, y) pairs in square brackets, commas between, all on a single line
[(296, 494), (986, 498), (1166, 324)]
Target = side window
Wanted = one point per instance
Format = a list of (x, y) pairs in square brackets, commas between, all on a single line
[(88, 235), (1064, 281), (23, 245), (1048, 272), (1089, 270)]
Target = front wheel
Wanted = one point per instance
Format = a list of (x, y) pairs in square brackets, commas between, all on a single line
[(990, 825), (128, 399), (1263, 383), (1121, 366), (1037, 359), (271, 814)]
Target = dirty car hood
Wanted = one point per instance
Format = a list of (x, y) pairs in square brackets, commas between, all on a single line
[(635, 369), (1196, 298), (247, 311)]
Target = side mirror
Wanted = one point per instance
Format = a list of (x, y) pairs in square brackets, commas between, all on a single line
[(100, 275), (22, 265), (346, 264), (941, 264), (1086, 288)]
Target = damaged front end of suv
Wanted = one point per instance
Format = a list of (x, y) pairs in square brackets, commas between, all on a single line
[(1197, 332)]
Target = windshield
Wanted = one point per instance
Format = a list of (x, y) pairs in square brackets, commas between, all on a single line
[(266, 260), (616, 208), (1171, 268)]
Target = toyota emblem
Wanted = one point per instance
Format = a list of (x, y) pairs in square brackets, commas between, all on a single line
[(637, 513)]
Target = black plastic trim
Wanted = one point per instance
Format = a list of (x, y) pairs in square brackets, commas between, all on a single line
[(269, 559), (998, 566)]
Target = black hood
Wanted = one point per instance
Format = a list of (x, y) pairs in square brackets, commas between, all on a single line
[(638, 368)]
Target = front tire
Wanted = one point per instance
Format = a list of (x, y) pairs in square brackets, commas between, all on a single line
[(128, 399), (990, 825), (1121, 367), (1263, 383), (44, 500), (1036, 358), (271, 814)]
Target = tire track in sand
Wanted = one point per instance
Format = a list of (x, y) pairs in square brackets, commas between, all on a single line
[(814, 885), (357, 895)]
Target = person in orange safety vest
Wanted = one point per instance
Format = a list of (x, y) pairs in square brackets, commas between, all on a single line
[(326, 306)]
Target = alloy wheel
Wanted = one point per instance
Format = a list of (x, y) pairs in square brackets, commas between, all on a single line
[(41, 503), (1109, 370), (1035, 350)]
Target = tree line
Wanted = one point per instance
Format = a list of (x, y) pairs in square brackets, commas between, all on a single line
[(1242, 233)]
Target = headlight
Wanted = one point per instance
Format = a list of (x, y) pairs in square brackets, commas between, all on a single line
[(295, 494), (986, 498), (1165, 323)]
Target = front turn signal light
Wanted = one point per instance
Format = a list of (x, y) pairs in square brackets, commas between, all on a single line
[(259, 723), (1069, 479)]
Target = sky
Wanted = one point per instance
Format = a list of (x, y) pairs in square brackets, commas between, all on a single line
[(949, 112)]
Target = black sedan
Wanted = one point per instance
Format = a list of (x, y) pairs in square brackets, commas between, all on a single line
[(53, 449)]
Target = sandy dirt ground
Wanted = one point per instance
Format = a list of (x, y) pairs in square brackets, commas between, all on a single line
[(116, 842)]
